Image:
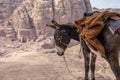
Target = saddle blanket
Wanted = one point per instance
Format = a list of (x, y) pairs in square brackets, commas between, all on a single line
[(113, 25)]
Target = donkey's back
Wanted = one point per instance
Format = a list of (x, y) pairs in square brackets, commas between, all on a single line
[(111, 43)]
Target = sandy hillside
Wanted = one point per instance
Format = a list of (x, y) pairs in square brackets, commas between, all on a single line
[(46, 65)]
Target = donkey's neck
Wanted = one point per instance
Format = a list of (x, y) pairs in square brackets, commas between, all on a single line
[(76, 37), (74, 34)]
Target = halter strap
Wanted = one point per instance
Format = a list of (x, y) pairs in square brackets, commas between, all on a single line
[(60, 40)]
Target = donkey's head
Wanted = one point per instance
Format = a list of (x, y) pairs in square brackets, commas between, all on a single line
[(62, 36)]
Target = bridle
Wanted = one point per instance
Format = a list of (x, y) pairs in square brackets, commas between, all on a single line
[(60, 40)]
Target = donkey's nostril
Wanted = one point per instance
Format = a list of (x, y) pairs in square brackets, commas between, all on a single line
[(60, 54), (59, 51)]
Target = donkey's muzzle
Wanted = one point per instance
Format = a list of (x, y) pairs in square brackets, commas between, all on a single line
[(60, 54), (59, 51)]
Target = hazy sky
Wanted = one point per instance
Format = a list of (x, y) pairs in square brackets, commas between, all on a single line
[(105, 3)]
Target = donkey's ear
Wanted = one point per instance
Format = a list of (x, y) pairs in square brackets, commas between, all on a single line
[(52, 26), (55, 23)]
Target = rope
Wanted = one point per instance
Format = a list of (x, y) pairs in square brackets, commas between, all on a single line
[(80, 56), (80, 51), (77, 78)]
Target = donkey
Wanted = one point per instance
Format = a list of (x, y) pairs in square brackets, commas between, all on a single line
[(65, 32)]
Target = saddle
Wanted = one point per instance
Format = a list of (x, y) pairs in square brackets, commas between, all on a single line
[(113, 25)]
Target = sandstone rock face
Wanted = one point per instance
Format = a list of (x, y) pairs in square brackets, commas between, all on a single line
[(26, 19), (6, 10), (30, 17), (109, 9), (115, 9), (23, 25)]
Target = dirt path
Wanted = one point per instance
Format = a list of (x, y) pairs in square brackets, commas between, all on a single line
[(42, 65)]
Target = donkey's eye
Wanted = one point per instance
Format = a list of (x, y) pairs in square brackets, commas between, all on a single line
[(57, 36)]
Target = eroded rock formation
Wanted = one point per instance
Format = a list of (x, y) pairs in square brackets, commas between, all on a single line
[(26, 21)]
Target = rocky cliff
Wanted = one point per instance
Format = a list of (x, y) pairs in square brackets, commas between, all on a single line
[(109, 9), (26, 21), (6, 10)]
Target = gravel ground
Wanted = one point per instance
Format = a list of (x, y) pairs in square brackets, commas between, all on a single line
[(46, 65)]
